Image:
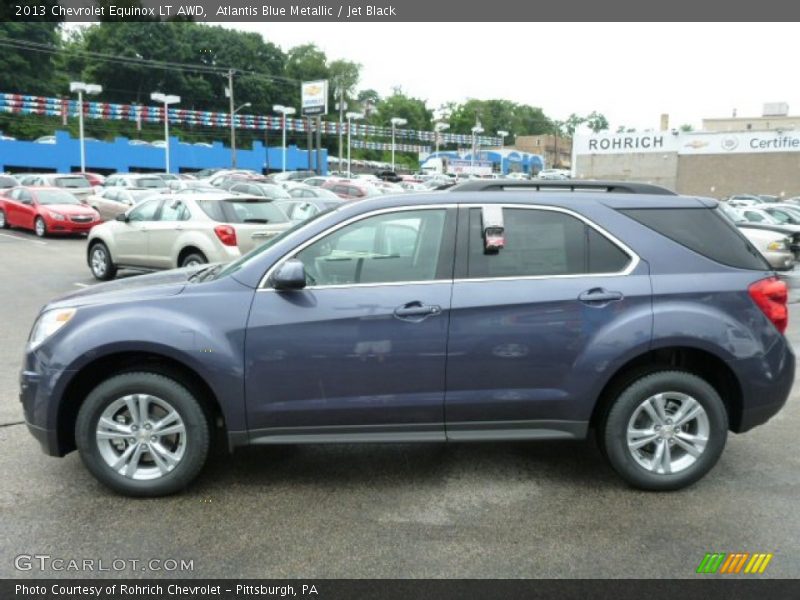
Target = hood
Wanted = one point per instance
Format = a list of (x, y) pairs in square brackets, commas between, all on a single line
[(69, 209), (135, 287)]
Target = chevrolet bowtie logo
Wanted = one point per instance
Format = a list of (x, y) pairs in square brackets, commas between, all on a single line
[(734, 563)]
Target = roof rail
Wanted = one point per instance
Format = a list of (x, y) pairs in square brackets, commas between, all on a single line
[(562, 185)]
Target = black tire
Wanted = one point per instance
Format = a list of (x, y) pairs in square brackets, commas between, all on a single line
[(613, 432), (3, 221), (40, 227), (193, 258), (104, 269), (180, 399)]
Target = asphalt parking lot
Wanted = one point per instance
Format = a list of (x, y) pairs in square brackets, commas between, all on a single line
[(490, 510)]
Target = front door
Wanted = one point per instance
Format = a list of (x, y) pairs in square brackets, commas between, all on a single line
[(131, 238), (360, 352), (537, 323), (164, 232)]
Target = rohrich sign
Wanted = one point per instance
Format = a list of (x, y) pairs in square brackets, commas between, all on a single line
[(688, 143)]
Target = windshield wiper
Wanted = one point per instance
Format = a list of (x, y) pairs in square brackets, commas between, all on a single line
[(205, 273)]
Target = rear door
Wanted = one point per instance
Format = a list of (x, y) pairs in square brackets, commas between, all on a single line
[(535, 324)]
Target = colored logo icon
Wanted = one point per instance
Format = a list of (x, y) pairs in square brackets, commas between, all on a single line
[(734, 563)]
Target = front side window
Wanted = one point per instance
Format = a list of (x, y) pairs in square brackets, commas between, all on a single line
[(540, 243), (388, 248), (175, 211), (145, 211)]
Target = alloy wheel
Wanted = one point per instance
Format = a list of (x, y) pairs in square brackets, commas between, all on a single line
[(668, 432), (99, 261), (141, 437)]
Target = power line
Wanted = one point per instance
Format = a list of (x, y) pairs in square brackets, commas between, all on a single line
[(135, 61)]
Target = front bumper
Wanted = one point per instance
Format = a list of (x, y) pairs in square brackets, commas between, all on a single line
[(40, 388), (70, 226)]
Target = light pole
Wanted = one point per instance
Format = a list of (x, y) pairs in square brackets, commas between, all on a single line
[(233, 133), (166, 99), (81, 88), (475, 131), (351, 116), (396, 122), (438, 128), (502, 135), (285, 111)]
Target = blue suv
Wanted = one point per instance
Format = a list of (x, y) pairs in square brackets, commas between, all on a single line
[(493, 311)]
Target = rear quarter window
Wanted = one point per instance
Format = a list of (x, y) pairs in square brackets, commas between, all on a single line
[(705, 231)]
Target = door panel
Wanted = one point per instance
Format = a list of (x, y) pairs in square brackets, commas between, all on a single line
[(340, 357), (526, 354)]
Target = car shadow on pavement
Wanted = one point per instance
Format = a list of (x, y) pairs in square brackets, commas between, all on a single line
[(389, 465)]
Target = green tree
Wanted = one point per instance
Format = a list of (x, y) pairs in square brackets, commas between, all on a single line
[(596, 121), (686, 128), (28, 71), (344, 76)]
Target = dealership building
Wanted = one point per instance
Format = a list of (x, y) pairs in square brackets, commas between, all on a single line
[(708, 163)]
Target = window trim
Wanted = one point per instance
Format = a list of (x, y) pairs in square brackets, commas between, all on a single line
[(263, 285), (634, 262)]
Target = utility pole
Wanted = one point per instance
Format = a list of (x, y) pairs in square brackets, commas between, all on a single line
[(310, 144), (342, 108), (319, 145), (233, 119)]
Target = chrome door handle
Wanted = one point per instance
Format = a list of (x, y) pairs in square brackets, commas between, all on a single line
[(413, 311)]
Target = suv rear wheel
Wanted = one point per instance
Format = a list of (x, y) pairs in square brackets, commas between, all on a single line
[(142, 434), (193, 259), (665, 431)]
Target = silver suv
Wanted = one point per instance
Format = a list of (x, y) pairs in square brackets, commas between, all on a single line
[(170, 231)]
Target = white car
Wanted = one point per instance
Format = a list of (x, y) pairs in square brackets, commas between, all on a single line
[(75, 183), (553, 174), (183, 230)]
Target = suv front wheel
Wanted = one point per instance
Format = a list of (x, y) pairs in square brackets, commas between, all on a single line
[(665, 431), (142, 434)]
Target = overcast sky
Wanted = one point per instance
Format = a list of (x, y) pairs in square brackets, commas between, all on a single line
[(630, 72)]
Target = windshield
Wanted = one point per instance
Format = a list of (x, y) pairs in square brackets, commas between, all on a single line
[(275, 192), (255, 252), (72, 182), (55, 197), (149, 182)]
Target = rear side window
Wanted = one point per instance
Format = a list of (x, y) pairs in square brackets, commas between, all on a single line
[(72, 182), (703, 230), (541, 243), (245, 210)]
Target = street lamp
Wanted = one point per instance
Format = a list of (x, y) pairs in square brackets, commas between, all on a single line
[(233, 133), (475, 131), (396, 121), (166, 100), (502, 135), (285, 111), (81, 88), (439, 128), (351, 116)]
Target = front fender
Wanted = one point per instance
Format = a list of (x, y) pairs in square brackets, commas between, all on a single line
[(204, 330)]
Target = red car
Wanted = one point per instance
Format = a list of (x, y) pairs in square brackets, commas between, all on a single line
[(95, 179), (350, 189), (46, 210)]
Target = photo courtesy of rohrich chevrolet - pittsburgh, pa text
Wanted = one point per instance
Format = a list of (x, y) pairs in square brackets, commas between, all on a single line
[(393, 300)]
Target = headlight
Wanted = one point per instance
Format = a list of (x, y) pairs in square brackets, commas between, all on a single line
[(55, 215), (777, 245), (48, 323)]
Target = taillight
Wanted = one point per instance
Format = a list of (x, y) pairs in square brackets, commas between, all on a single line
[(226, 234), (770, 295)]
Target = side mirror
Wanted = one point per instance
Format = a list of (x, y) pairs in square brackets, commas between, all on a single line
[(121, 217), (291, 275)]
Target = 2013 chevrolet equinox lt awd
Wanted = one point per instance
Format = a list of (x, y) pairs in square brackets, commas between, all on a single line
[(497, 311)]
